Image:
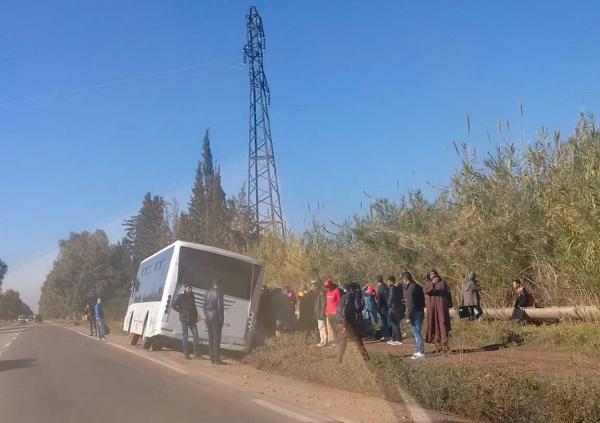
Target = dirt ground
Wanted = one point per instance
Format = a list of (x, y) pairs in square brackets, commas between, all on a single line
[(334, 403), (566, 364)]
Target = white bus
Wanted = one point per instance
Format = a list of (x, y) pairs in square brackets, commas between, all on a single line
[(161, 277)]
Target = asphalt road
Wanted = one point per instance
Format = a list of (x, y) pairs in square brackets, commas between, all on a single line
[(52, 374)]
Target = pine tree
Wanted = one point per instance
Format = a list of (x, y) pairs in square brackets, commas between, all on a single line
[(148, 231)]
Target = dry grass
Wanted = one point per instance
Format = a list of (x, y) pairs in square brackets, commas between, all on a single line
[(480, 391)]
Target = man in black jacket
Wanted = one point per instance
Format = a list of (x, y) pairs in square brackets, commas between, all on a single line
[(415, 311), (320, 316), (185, 305), (383, 293), (214, 312), (396, 310)]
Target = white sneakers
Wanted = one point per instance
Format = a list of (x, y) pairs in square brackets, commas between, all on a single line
[(390, 342), (321, 344), (418, 355)]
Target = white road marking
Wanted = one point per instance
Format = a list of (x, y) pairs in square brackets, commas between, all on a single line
[(284, 411), (154, 360), (7, 344), (417, 413)]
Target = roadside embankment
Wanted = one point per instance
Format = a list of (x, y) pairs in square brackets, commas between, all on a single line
[(552, 376)]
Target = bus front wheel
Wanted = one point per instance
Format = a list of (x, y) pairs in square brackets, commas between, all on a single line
[(133, 338)]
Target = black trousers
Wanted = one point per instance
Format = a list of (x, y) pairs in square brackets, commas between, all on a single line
[(215, 327), (92, 325)]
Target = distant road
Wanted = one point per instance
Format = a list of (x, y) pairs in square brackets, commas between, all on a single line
[(52, 374)]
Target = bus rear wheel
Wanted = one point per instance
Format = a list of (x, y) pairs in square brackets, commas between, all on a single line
[(156, 344), (146, 342), (133, 338)]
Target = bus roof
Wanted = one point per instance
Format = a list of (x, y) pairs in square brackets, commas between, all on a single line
[(210, 249)]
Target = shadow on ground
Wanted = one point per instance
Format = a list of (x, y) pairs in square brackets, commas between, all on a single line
[(17, 364)]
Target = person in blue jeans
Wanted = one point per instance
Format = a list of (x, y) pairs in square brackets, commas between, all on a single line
[(185, 305), (100, 319), (415, 311)]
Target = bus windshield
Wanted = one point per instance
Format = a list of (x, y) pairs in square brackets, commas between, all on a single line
[(199, 268)]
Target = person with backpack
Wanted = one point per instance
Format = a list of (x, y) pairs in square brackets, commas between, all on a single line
[(214, 313), (348, 323)]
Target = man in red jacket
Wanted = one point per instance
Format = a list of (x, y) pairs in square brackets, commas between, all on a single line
[(333, 300)]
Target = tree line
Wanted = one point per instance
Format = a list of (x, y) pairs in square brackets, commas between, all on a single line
[(88, 266), (11, 305), (530, 212)]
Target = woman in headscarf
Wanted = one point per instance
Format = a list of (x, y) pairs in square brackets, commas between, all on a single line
[(471, 296), (438, 301)]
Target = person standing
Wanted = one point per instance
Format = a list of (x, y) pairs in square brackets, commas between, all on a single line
[(348, 323), (99, 311), (396, 310), (383, 293), (214, 312), (438, 301), (415, 313), (90, 316), (471, 297), (306, 309), (284, 312), (370, 304), (185, 305), (332, 297), (320, 316)]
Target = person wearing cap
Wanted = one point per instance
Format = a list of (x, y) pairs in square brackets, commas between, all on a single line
[(185, 305), (320, 316), (332, 297), (214, 313)]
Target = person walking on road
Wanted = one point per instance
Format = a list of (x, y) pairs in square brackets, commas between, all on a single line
[(320, 316), (415, 313), (90, 316), (438, 301), (471, 297), (99, 311), (396, 310), (214, 312), (185, 305)]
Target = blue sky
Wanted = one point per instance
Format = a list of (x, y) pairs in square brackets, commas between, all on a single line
[(103, 101)]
